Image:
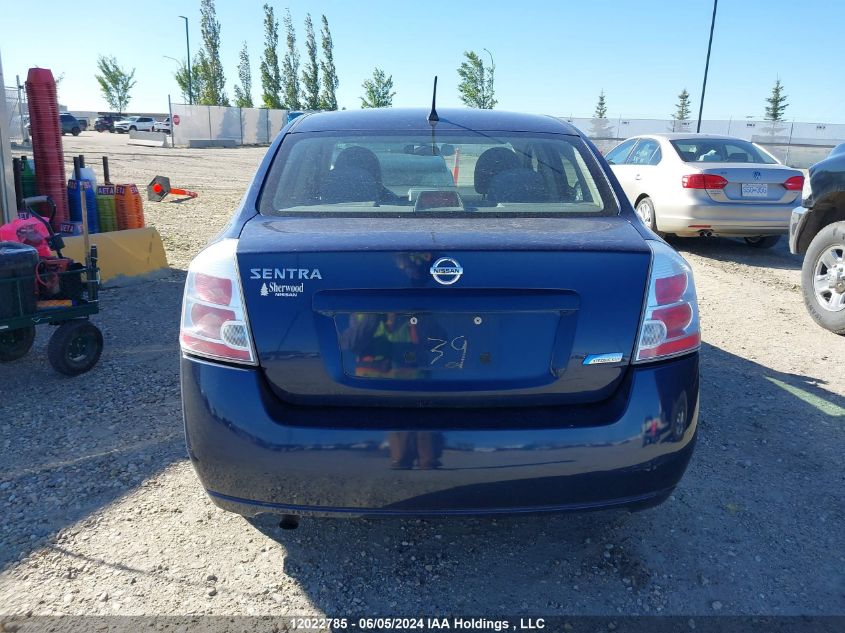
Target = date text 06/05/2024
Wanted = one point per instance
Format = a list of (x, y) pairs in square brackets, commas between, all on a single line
[(421, 624)]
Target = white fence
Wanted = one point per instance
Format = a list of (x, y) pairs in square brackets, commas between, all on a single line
[(795, 143), (241, 126), (16, 113)]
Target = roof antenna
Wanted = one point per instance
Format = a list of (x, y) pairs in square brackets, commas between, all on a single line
[(432, 116)]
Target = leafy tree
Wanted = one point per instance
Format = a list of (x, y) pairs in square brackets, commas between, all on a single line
[(311, 72), (115, 82), (199, 75), (271, 78), (476, 86), (601, 107), (290, 67), (181, 77), (683, 106), (377, 91), (58, 79), (777, 103), (243, 93), (328, 98), (213, 91)]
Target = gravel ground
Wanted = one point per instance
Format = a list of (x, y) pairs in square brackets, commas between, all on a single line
[(102, 513)]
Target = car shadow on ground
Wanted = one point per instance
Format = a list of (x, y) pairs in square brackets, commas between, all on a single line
[(727, 249), (73, 445), (741, 530)]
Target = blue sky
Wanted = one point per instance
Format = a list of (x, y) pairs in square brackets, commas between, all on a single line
[(551, 57)]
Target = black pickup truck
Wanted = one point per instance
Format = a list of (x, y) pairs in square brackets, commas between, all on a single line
[(817, 231), (105, 123)]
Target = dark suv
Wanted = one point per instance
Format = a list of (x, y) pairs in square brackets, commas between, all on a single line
[(817, 231), (70, 124)]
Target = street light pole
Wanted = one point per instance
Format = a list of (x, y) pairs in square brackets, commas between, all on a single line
[(492, 70), (188, 46), (706, 66)]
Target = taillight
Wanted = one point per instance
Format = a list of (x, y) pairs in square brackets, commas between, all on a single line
[(670, 319), (703, 181), (214, 322), (796, 183)]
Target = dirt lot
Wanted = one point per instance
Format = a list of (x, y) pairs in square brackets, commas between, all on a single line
[(102, 512)]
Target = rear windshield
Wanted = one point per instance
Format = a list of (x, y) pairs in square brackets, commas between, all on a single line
[(451, 173), (721, 151)]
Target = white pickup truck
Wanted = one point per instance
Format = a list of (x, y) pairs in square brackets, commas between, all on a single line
[(142, 123)]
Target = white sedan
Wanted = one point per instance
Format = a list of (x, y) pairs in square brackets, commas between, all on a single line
[(702, 185)]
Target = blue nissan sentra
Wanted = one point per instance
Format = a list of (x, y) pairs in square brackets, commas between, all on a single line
[(415, 313)]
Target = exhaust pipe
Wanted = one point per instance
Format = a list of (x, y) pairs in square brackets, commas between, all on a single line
[(705, 233), (289, 522)]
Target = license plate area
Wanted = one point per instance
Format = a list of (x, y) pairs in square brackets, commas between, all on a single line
[(755, 190), (448, 347)]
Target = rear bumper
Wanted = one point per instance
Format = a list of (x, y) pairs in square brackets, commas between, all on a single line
[(796, 225), (725, 219), (255, 454)]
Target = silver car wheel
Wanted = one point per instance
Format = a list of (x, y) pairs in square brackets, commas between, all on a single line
[(829, 278), (644, 211)]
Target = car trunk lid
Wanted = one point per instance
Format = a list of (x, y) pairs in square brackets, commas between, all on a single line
[(751, 184), (347, 310)]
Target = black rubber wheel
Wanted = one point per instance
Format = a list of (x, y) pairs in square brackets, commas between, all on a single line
[(823, 278), (15, 344), (75, 347), (762, 241), (133, 129), (75, 131)]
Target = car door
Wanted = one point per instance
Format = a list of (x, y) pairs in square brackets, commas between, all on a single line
[(616, 159), (643, 164)]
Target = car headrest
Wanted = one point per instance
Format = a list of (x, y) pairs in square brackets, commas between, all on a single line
[(349, 184), (360, 158), (517, 185), (491, 162)]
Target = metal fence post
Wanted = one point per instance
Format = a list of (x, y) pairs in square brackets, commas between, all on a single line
[(172, 127), (789, 143), (208, 109), (24, 137)]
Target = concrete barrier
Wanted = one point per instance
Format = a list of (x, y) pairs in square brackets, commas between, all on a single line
[(201, 143), (150, 139), (125, 256)]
